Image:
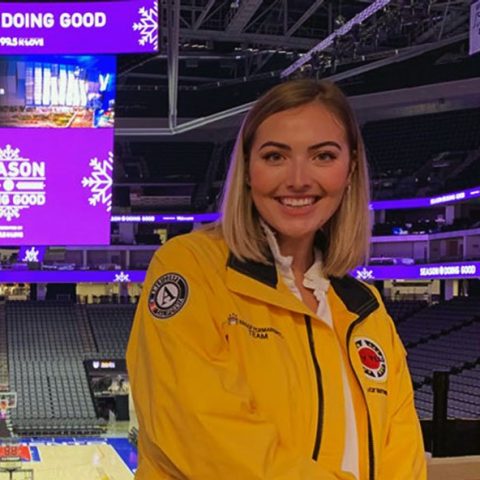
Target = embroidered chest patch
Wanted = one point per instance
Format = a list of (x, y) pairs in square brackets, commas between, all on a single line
[(373, 359), (167, 295), (259, 333)]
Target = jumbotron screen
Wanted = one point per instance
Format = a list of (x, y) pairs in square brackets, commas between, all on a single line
[(78, 27), (56, 149)]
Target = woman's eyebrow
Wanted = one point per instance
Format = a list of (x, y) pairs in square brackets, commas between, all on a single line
[(284, 146), (329, 143)]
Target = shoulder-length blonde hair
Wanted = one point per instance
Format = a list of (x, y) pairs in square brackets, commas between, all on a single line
[(345, 238)]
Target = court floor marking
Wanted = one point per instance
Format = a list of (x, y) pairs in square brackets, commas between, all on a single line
[(125, 451)]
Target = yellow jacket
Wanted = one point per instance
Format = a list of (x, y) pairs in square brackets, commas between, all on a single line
[(234, 378)]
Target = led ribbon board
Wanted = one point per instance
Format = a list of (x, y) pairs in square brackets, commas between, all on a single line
[(438, 271), (443, 271), (123, 26), (173, 218)]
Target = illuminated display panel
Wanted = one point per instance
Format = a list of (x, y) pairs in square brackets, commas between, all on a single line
[(71, 27), (369, 273), (57, 91), (56, 149)]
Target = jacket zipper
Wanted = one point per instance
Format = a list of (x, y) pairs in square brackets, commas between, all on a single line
[(318, 377), (371, 452)]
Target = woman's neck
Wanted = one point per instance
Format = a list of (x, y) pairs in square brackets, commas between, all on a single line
[(301, 251)]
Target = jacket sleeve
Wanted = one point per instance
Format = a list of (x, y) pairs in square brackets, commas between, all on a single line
[(403, 455), (197, 418)]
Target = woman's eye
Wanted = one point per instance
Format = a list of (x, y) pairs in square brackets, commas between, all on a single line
[(272, 157), (326, 156)]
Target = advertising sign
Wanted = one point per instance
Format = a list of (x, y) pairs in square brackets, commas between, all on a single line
[(124, 26), (419, 272), (55, 186), (56, 144)]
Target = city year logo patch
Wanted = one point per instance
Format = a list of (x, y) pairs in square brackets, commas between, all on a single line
[(167, 295), (373, 359)]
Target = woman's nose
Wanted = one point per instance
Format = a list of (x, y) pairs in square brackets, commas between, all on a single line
[(299, 175)]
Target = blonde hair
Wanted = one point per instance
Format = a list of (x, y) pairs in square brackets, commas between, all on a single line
[(345, 238)]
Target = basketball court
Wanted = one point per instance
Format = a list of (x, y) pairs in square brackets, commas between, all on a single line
[(64, 458), (68, 459)]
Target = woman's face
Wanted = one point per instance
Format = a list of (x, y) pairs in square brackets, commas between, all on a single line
[(298, 170)]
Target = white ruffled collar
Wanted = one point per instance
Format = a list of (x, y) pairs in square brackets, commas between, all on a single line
[(313, 278)]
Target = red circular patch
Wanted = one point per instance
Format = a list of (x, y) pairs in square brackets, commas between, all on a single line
[(369, 358)]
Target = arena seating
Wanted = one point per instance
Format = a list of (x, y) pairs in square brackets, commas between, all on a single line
[(464, 180), (46, 345), (400, 310), (440, 319), (453, 351), (463, 396), (445, 337), (3, 350), (464, 393), (398, 148), (161, 160), (405, 154), (48, 341), (111, 326)]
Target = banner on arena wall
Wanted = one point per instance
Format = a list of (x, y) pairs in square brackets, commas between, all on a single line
[(475, 27), (123, 26)]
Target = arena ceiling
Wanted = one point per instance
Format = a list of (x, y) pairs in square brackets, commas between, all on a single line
[(218, 55)]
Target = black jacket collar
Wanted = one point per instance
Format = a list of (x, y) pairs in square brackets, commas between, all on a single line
[(266, 274), (356, 296)]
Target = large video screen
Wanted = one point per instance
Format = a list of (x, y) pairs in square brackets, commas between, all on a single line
[(56, 149), (57, 91), (46, 27)]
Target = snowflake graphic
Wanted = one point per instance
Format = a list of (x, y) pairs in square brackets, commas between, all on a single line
[(148, 25), (364, 274), (122, 277), (9, 153), (8, 212), (31, 255), (100, 182)]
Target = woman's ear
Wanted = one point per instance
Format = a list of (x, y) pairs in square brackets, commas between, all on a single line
[(247, 174), (353, 165)]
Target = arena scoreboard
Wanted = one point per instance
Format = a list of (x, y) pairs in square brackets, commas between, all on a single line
[(57, 114)]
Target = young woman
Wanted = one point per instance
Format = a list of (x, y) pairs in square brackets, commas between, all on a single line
[(254, 355)]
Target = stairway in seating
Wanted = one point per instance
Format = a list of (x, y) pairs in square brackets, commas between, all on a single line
[(87, 339), (4, 382)]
